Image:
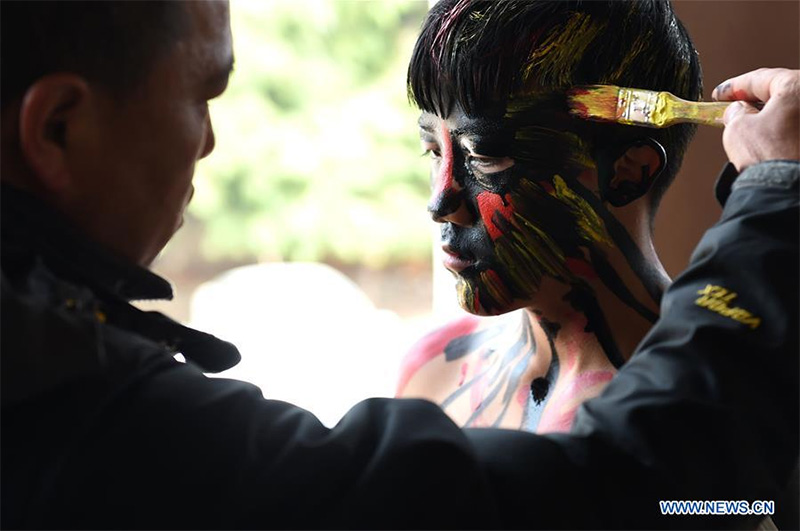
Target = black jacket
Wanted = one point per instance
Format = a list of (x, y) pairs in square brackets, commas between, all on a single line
[(101, 427)]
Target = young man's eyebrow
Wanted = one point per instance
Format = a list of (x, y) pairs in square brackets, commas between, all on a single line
[(432, 130), (477, 129), (426, 127)]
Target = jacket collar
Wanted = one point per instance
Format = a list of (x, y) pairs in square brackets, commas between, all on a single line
[(32, 231), (29, 224)]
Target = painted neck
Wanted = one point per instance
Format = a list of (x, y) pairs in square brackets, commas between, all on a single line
[(634, 256), (606, 314)]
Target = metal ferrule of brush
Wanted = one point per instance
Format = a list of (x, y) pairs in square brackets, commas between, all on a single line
[(639, 106)]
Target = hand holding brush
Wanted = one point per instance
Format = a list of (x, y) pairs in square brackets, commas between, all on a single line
[(773, 133)]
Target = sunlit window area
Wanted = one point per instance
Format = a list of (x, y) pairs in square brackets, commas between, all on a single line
[(307, 242)]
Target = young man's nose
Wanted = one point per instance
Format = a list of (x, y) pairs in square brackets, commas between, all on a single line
[(447, 203)]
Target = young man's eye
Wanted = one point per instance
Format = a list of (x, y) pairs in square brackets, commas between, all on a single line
[(489, 164), (431, 150)]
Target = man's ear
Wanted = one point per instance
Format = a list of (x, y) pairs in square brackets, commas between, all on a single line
[(631, 174), (48, 114)]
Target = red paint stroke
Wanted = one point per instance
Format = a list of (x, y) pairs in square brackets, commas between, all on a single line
[(463, 376), (490, 203), (588, 178), (444, 180), (495, 278), (576, 108), (581, 268), (578, 91), (590, 379), (498, 284), (431, 346), (449, 20)]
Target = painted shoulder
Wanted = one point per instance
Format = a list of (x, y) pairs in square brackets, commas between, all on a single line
[(433, 345)]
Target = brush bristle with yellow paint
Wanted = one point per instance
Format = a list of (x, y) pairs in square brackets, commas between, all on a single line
[(607, 103)]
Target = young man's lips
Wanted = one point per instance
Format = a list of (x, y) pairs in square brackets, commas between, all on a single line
[(454, 261)]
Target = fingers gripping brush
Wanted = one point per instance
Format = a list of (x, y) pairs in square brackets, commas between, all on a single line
[(608, 103)]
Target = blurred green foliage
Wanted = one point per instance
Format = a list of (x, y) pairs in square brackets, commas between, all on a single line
[(317, 154)]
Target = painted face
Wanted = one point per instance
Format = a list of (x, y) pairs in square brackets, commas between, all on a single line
[(137, 180), (516, 196)]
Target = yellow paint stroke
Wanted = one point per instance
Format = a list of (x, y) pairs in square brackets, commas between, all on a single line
[(533, 141), (634, 50), (496, 289), (521, 267), (552, 62), (466, 297), (590, 225), (553, 257), (575, 146)]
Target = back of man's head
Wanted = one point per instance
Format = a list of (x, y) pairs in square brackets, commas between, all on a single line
[(479, 54), (110, 43)]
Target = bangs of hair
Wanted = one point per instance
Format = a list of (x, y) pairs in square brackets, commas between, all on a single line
[(461, 58), (479, 53)]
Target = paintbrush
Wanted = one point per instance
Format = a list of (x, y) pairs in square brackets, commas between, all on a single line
[(607, 103)]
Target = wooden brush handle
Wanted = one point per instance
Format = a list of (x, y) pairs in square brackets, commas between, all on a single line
[(678, 111)]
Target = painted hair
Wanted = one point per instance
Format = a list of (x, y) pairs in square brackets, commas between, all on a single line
[(111, 43), (479, 54)]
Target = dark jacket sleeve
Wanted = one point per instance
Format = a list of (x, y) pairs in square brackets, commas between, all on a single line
[(708, 409), (710, 404)]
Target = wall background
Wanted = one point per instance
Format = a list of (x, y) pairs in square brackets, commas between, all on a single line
[(732, 37)]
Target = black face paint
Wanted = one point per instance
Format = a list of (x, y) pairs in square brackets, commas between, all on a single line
[(621, 192), (541, 387)]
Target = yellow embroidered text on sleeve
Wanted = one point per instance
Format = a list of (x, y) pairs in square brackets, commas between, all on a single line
[(717, 299)]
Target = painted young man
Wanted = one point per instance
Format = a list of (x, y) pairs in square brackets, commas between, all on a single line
[(546, 221)]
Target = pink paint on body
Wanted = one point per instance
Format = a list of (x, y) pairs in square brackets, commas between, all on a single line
[(589, 379), (559, 413), (569, 352), (463, 376), (478, 388), (574, 332), (431, 346), (522, 395)]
